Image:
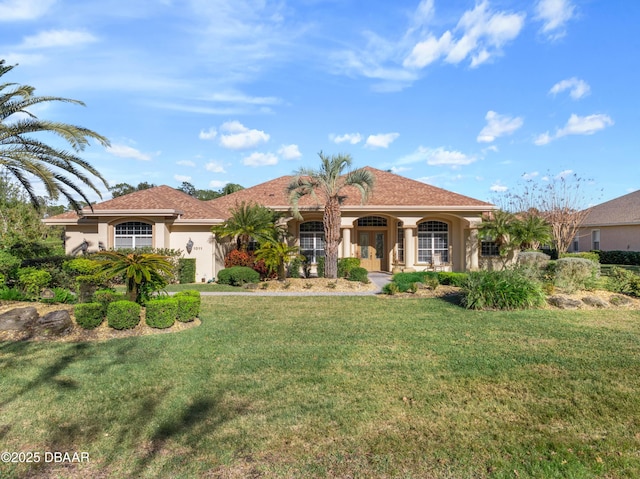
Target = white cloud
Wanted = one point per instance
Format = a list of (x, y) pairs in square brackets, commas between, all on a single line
[(498, 125), (563, 174), (215, 167), (530, 176), (57, 38), (260, 159), (484, 34), (399, 169), (382, 140), (554, 14), (353, 138), (12, 10), (241, 98), (239, 137), (210, 134), (124, 151), (577, 125), (182, 178), (290, 152), (217, 183), (578, 88), (498, 188), (437, 157), (188, 163)]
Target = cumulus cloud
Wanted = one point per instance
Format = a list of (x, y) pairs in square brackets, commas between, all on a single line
[(382, 140), (554, 15), (210, 134), (482, 34), (437, 157), (13, 10), (498, 125), (498, 188), (217, 183), (238, 137), (125, 151), (58, 38), (577, 125), (353, 138), (290, 152), (260, 159), (530, 176), (182, 178), (188, 163), (214, 167), (577, 88)]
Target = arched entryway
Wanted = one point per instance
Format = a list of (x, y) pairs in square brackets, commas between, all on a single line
[(372, 238)]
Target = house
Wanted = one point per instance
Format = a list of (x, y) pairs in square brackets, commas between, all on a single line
[(404, 224), (611, 226)]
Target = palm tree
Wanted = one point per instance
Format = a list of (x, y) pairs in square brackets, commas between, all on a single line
[(142, 271), (532, 231), (501, 229), (329, 183), (276, 255), (247, 221), (22, 155)]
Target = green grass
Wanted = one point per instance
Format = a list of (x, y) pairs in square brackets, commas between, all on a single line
[(336, 387), (203, 287)]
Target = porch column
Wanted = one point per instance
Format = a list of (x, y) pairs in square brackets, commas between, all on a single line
[(409, 247), (472, 251), (346, 242)]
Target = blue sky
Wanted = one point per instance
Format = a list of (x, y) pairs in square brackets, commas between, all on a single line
[(471, 96)]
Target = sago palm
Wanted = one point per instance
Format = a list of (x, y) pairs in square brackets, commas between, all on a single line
[(24, 156), (276, 255), (328, 184), (533, 231)]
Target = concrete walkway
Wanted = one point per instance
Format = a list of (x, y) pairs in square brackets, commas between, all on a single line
[(378, 278)]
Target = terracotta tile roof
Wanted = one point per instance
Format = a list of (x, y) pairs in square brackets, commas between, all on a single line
[(623, 210), (157, 198), (389, 190)]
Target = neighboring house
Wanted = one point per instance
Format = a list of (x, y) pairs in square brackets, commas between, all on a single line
[(404, 224), (610, 226)]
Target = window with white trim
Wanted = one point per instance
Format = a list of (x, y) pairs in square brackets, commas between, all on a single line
[(312, 240), (433, 237), (595, 239), (133, 234)]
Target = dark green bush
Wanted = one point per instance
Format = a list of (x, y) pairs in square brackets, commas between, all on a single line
[(188, 308), (106, 296), (186, 270), (623, 281), (161, 313), (508, 289), (405, 281), (619, 257), (9, 264), (358, 274), (60, 295), (12, 294), (89, 315), (238, 275), (123, 314), (32, 280), (320, 266), (294, 267), (345, 265), (451, 278), (572, 274)]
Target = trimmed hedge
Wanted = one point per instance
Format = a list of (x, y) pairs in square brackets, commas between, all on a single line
[(619, 257), (89, 315), (161, 313), (238, 275), (346, 265), (188, 308), (106, 296), (358, 274), (452, 279), (186, 270), (123, 314)]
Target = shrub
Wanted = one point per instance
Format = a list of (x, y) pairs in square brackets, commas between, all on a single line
[(404, 281), (572, 274), (161, 313), (294, 267), (105, 297), (507, 289), (390, 288), (9, 264), (451, 278), (345, 265), (89, 315), (32, 280), (619, 257), (238, 275), (320, 266), (186, 270), (60, 295), (11, 294), (624, 281), (590, 255), (188, 305), (248, 259), (78, 266), (123, 314), (358, 274)]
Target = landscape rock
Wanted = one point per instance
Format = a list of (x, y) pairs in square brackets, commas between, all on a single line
[(563, 302), (55, 323), (595, 301), (19, 319)]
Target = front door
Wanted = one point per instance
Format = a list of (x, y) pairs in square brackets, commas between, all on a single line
[(371, 247)]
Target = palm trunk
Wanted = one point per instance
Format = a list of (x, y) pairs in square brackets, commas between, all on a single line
[(331, 221)]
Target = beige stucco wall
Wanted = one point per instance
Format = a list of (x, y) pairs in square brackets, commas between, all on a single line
[(612, 238)]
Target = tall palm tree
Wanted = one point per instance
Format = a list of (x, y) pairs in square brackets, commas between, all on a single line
[(247, 221), (500, 228), (22, 155), (328, 183)]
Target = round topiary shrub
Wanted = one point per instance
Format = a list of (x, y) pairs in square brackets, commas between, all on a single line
[(123, 314), (161, 313), (188, 308), (106, 296), (89, 315), (359, 274), (238, 275)]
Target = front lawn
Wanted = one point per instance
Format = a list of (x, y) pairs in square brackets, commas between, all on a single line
[(335, 387)]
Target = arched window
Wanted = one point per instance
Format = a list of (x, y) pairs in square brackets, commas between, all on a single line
[(433, 238), (372, 221), (312, 240), (133, 234)]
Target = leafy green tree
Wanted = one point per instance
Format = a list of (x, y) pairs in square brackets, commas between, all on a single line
[(122, 189), (328, 183), (250, 221), (24, 156), (277, 255), (144, 273), (231, 188)]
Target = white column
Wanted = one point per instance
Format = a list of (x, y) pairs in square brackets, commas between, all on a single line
[(346, 242), (472, 251), (409, 248)]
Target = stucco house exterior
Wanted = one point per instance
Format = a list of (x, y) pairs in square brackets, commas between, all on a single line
[(611, 226), (404, 224)]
